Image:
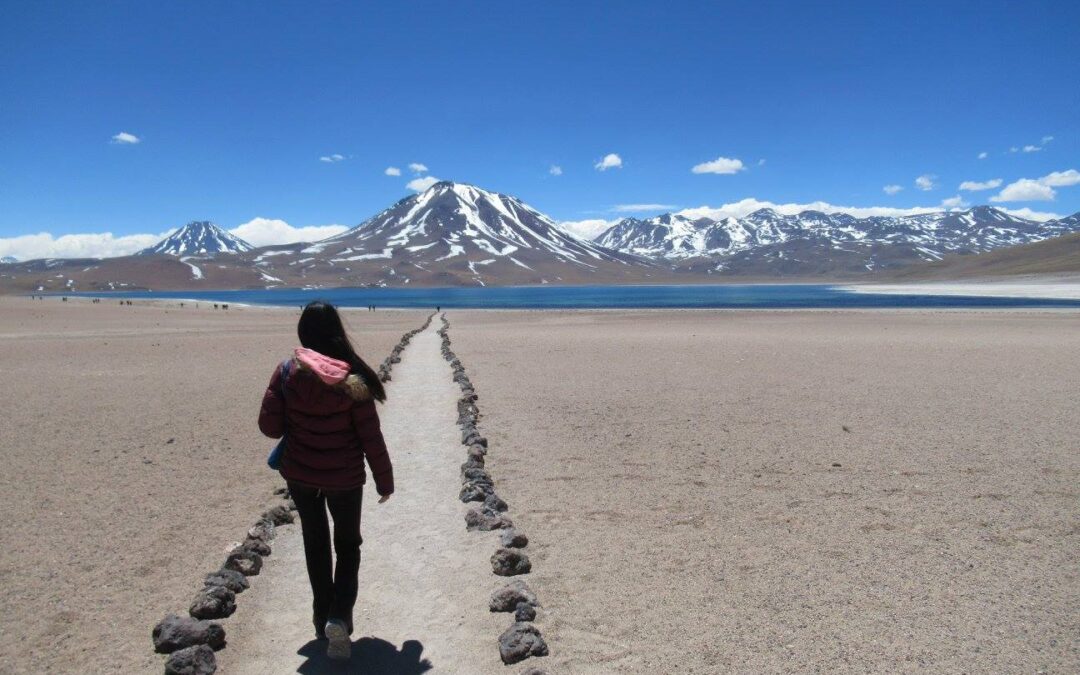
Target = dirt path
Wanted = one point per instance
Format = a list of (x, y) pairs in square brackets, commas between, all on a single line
[(424, 580)]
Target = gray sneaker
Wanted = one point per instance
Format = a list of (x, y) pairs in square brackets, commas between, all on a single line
[(339, 647)]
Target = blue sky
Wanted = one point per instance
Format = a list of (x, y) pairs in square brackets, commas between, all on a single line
[(234, 104)]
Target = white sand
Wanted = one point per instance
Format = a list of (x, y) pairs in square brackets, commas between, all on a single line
[(1061, 289), (424, 580)]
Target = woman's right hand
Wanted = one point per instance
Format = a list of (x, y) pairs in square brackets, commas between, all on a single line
[(384, 499)]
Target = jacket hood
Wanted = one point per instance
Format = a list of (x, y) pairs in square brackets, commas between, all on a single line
[(332, 372)]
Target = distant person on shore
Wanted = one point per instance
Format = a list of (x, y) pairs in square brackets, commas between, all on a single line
[(326, 410)]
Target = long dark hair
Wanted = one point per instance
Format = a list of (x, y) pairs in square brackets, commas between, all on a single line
[(320, 329)]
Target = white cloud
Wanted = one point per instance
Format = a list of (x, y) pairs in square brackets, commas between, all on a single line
[(332, 159), (974, 185), (1025, 190), (745, 207), (925, 182), (761, 162), (721, 165), (1031, 147), (271, 231), (610, 161), (392, 171), (632, 208), (421, 184), (258, 231), (1041, 216), (586, 229), (983, 155), (892, 189), (124, 138), (103, 245), (555, 170), (956, 202), (1061, 178), (1037, 189), (417, 167)]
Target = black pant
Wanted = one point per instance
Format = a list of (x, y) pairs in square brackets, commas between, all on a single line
[(334, 590)]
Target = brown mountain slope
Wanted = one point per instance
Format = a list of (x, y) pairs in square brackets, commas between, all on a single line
[(1060, 255)]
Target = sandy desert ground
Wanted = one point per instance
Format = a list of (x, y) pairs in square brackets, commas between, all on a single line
[(704, 491), (713, 492), (131, 462)]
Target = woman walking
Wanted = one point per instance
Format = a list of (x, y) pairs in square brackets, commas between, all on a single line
[(322, 401)]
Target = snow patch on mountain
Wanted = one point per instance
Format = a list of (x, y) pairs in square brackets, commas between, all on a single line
[(929, 236), (198, 238)]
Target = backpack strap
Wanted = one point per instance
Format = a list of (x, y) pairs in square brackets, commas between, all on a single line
[(286, 366)]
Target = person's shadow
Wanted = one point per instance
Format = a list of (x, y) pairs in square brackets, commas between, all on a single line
[(369, 655)]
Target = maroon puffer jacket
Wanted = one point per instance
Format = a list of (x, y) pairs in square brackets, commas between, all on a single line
[(330, 429)]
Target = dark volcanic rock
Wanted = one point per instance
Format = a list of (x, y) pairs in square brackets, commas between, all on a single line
[(279, 515), (213, 602), (520, 641), (257, 546), (474, 492), (513, 539), (177, 632), (524, 612), (509, 562), (230, 579), (494, 503), (476, 519), (476, 475), (473, 462), (197, 660), (245, 562), (507, 598), (262, 530)]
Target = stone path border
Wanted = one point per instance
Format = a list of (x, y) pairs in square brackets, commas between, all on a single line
[(190, 641), (522, 639)]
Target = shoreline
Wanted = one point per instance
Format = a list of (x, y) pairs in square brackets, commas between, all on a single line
[(1059, 293), (1062, 289), (170, 303)]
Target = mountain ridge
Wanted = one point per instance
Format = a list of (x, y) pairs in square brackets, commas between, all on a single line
[(198, 238), (876, 242), (456, 234)]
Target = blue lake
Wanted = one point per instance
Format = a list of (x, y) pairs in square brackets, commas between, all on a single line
[(749, 296)]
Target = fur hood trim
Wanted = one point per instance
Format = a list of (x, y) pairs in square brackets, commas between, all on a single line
[(352, 386)]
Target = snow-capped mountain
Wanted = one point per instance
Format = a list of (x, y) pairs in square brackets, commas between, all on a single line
[(198, 238), (457, 234), (8, 260), (812, 241)]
